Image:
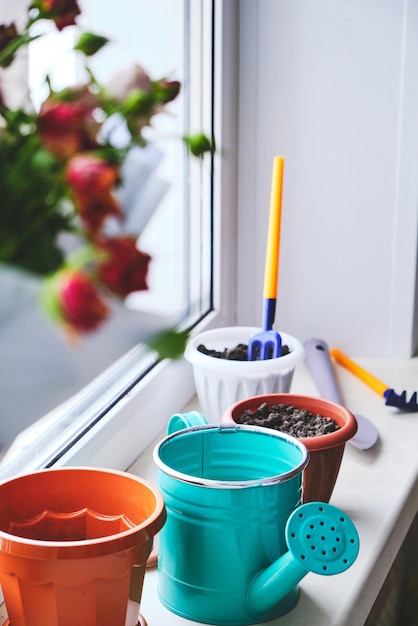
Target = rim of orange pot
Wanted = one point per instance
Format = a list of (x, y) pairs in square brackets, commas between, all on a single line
[(341, 416), (83, 548)]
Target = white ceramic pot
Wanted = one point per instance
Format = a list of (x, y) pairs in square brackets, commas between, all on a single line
[(221, 383)]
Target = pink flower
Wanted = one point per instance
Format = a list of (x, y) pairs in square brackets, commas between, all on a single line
[(67, 126), (63, 12), (90, 175), (131, 78), (80, 304), (94, 212), (125, 268), (92, 181), (140, 97)]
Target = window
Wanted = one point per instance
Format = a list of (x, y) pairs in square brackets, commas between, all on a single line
[(113, 418)]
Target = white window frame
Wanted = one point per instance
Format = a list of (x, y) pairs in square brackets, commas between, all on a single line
[(135, 419)]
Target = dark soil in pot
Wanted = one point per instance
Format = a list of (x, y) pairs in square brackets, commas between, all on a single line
[(288, 419), (238, 353)]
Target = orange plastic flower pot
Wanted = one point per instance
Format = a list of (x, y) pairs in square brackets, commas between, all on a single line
[(74, 543), (325, 451)]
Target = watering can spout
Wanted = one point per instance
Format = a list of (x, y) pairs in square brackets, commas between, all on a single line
[(321, 539), (270, 586)]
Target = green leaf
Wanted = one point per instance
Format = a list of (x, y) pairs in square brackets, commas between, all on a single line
[(199, 144), (90, 43), (7, 55), (138, 102), (170, 344), (49, 300)]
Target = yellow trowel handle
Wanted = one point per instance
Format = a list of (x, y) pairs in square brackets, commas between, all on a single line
[(271, 272), (370, 380)]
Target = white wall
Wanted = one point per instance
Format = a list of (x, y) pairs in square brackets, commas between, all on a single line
[(331, 85)]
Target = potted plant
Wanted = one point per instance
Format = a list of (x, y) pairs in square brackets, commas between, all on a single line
[(63, 218), (221, 382)]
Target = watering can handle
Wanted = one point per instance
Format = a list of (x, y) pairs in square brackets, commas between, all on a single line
[(180, 421)]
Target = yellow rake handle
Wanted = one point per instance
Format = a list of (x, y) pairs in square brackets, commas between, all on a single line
[(370, 380), (271, 271)]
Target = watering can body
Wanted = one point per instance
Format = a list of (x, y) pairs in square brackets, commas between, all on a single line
[(228, 492)]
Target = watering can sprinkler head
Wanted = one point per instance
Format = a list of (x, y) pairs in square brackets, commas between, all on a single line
[(321, 539)]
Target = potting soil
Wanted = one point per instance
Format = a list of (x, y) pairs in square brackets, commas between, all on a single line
[(238, 353), (288, 419)]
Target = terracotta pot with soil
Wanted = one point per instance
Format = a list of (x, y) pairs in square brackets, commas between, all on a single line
[(222, 381), (324, 438)]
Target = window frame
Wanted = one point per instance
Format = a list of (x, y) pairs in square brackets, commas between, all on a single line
[(138, 418), (135, 416)]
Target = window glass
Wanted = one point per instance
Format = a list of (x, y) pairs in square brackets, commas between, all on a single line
[(39, 371)]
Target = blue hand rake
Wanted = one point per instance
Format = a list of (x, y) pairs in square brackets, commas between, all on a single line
[(398, 400), (267, 344)]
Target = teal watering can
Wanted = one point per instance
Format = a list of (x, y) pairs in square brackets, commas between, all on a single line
[(237, 540)]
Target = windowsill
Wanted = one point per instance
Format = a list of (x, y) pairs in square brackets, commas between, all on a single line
[(377, 488)]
